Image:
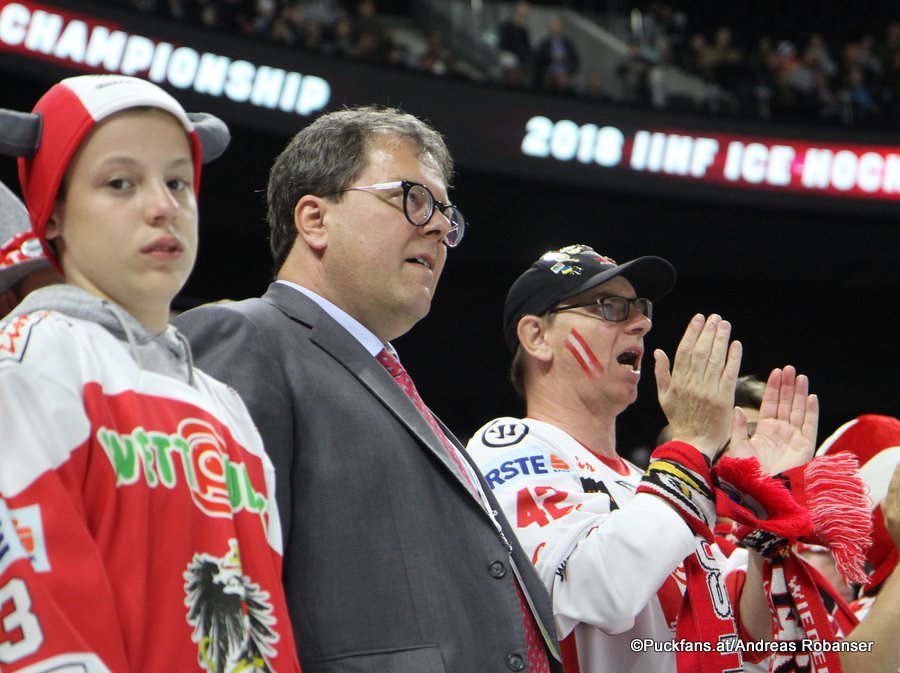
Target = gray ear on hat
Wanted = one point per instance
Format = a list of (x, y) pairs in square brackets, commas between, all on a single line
[(13, 217), (213, 133), (20, 133)]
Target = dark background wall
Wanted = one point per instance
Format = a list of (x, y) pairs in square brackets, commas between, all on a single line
[(813, 287)]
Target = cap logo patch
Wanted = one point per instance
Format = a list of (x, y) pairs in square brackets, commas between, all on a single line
[(569, 261), (564, 264), (566, 269)]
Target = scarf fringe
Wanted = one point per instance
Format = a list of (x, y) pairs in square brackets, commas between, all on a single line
[(753, 498), (838, 502)]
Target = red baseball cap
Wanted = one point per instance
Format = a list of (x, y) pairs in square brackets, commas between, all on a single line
[(71, 108)]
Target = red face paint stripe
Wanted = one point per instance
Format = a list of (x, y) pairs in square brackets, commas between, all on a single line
[(583, 354), (573, 349), (587, 351)]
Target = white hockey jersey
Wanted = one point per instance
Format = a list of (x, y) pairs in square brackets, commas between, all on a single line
[(611, 559)]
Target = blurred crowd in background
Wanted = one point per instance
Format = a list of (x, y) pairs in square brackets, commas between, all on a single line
[(802, 68)]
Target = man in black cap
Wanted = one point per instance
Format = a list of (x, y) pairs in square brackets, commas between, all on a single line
[(624, 554)]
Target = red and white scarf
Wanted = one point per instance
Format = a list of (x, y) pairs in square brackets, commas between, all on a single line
[(827, 506), (832, 512), (680, 474)]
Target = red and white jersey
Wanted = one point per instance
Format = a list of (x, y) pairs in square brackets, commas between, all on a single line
[(610, 559), (138, 526)]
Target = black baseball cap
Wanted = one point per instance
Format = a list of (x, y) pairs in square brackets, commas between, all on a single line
[(560, 274)]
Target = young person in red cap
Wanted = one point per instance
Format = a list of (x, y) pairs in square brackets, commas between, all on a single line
[(628, 555), (138, 527)]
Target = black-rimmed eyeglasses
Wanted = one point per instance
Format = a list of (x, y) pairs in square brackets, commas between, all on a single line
[(419, 205), (613, 309)]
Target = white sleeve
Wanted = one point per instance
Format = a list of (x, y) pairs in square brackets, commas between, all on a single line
[(44, 420), (41, 408), (602, 567), (619, 563)]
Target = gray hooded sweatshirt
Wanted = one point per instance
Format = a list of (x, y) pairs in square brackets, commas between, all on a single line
[(167, 353)]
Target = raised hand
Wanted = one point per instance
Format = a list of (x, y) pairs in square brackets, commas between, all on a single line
[(698, 395), (786, 430)]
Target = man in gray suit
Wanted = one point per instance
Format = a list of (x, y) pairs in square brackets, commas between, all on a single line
[(397, 557)]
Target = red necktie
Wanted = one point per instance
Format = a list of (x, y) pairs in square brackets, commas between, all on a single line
[(537, 655), (403, 379)]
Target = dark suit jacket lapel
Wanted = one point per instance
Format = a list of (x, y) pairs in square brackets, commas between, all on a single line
[(328, 335)]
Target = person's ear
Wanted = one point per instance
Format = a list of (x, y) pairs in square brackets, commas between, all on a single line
[(309, 219), (54, 223), (54, 231), (532, 331)]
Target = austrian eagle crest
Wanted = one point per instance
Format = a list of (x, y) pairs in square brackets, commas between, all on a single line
[(232, 617)]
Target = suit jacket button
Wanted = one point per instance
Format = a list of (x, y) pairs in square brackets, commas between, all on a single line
[(515, 662), (497, 570)]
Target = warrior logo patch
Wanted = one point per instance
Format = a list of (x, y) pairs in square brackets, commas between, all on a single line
[(231, 616), (503, 433)]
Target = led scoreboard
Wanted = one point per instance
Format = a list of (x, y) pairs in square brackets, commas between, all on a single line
[(276, 90)]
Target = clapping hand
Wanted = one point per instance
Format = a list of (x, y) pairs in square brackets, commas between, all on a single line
[(698, 395), (785, 434)]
